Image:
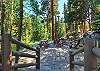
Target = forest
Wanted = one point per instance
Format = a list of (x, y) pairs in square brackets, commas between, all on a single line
[(33, 21)]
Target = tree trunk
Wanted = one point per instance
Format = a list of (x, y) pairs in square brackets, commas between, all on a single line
[(6, 52), (52, 13), (19, 30), (47, 26), (2, 16), (5, 43)]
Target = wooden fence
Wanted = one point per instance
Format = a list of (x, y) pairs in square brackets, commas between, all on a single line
[(91, 54), (7, 54)]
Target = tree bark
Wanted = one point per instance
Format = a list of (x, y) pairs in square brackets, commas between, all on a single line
[(52, 13), (6, 52), (19, 29), (2, 16)]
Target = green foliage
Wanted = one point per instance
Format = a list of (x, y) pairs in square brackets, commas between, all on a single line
[(34, 30), (79, 12), (37, 28), (61, 30), (35, 7), (96, 20), (44, 5)]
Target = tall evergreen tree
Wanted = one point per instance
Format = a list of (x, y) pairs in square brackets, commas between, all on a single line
[(80, 12)]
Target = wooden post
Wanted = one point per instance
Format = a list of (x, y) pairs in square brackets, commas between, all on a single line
[(6, 52), (71, 61), (38, 58), (90, 60)]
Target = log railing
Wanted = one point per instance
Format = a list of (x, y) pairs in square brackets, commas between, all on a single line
[(21, 54), (91, 55), (4, 41), (15, 41), (23, 65), (72, 62)]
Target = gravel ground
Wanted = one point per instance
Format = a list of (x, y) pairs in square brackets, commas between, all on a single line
[(54, 59), (57, 59)]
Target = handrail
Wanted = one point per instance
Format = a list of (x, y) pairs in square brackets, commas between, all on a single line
[(15, 41), (21, 54), (20, 65), (23, 65), (72, 54), (78, 51), (96, 51), (80, 63)]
